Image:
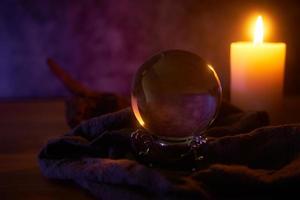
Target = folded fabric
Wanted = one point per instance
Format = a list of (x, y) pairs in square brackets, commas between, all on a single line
[(245, 158)]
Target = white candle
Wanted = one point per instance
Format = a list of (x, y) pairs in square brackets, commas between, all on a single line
[(257, 73)]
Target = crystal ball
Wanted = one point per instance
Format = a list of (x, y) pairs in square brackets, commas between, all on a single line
[(175, 95)]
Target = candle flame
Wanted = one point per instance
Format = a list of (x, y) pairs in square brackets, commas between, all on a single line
[(259, 31)]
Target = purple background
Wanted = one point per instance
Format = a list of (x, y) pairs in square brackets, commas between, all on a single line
[(102, 43)]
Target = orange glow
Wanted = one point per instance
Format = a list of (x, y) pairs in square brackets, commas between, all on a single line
[(136, 111), (215, 74), (259, 31), (257, 71), (251, 23)]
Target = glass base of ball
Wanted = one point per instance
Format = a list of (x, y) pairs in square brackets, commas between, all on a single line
[(175, 153)]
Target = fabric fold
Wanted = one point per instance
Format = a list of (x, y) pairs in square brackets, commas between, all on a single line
[(244, 157)]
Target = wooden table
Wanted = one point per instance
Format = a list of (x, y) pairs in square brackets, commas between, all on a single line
[(24, 129), (25, 126)]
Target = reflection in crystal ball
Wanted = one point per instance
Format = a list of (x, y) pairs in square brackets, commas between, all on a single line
[(175, 94)]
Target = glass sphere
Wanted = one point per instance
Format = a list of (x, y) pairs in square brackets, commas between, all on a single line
[(175, 95)]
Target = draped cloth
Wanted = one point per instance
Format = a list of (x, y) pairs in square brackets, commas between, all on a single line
[(246, 158)]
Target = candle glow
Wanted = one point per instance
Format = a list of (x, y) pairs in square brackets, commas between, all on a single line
[(259, 31), (257, 72)]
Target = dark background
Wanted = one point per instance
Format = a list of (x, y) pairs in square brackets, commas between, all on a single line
[(103, 42)]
